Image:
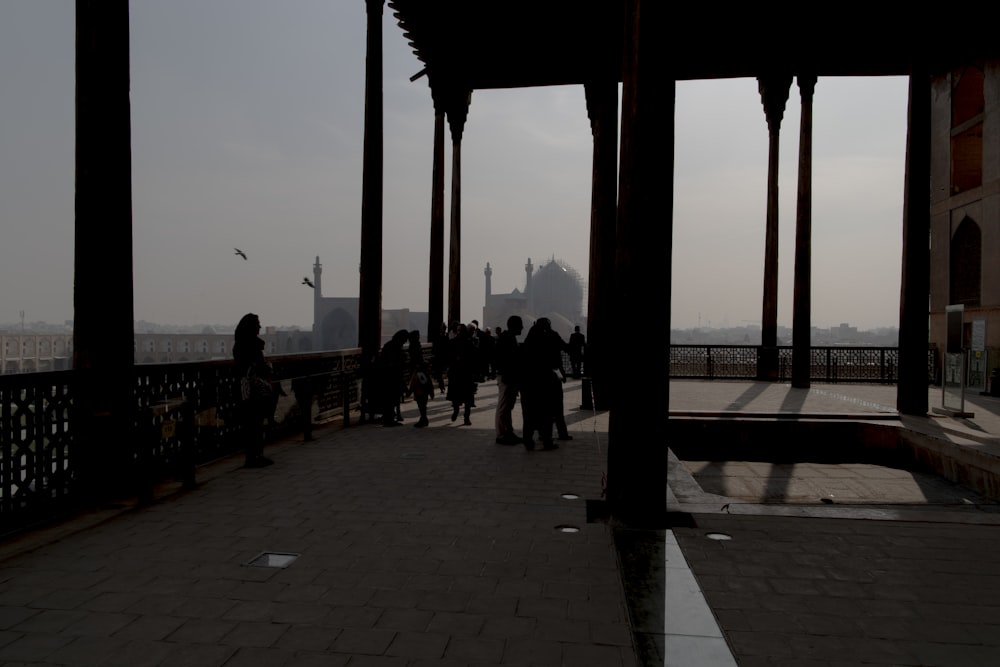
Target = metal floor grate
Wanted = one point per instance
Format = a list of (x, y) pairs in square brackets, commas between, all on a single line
[(273, 559)]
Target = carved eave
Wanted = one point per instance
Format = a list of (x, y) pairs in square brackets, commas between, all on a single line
[(465, 45)]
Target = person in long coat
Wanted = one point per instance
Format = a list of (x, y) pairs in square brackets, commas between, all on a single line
[(539, 383), (256, 393), (462, 359)]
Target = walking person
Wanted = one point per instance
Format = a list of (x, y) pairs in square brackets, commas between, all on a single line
[(422, 387), (439, 355), (507, 363)]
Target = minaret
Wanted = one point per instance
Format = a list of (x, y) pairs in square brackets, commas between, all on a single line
[(318, 279), (488, 272), (527, 283), (317, 295)]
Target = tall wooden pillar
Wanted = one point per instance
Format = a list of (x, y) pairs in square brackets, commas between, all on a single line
[(911, 391), (802, 295), (435, 290), (602, 107), (103, 327), (637, 464), (458, 112), (370, 292), (773, 95)]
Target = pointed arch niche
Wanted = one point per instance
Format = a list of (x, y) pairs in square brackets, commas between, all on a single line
[(967, 112), (965, 265)]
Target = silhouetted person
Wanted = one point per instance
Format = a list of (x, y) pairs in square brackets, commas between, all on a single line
[(554, 348), (507, 364), (256, 394), (538, 386), (487, 348), (422, 388), (439, 354), (414, 358), (414, 351), (475, 337), (461, 373), (577, 342), (391, 373)]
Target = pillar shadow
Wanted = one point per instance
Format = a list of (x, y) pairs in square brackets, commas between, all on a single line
[(752, 392)]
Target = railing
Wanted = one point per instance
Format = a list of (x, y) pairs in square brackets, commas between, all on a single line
[(827, 364), (185, 417), (185, 412), (36, 443)]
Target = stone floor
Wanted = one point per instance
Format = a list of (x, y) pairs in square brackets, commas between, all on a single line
[(436, 546)]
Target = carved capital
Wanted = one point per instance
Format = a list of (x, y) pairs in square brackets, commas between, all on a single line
[(807, 85), (457, 108), (773, 95)]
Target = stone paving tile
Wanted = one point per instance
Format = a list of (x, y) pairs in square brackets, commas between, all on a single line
[(822, 615), (99, 624), (87, 651), (197, 655), (418, 645), (34, 647), (363, 641), (533, 651)]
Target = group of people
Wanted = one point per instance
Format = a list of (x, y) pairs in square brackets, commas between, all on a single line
[(532, 370), (468, 355), (397, 371)]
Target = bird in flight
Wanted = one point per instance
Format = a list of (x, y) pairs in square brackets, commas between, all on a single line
[(240, 253), (306, 281)]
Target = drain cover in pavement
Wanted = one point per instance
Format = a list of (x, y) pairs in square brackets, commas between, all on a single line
[(273, 559)]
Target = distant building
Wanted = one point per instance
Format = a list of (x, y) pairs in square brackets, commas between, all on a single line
[(554, 290), (35, 352), (170, 348), (335, 318), (965, 200)]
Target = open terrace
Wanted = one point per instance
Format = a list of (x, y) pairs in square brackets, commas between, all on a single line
[(406, 546)]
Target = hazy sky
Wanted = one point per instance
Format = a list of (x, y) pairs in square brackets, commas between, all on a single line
[(247, 130)]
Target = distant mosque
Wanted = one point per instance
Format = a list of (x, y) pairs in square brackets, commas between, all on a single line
[(554, 290), (335, 318)]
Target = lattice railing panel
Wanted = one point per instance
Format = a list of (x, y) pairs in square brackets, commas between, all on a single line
[(35, 441)]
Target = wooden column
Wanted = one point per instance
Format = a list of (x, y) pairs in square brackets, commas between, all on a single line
[(103, 328), (458, 112), (637, 464), (802, 295), (435, 290), (602, 107), (370, 292), (773, 95), (911, 391)]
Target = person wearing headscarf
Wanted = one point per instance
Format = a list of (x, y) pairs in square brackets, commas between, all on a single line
[(256, 394)]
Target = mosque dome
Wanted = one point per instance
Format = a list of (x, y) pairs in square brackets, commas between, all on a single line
[(557, 288)]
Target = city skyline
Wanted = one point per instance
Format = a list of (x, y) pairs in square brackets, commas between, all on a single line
[(247, 127)]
